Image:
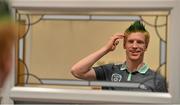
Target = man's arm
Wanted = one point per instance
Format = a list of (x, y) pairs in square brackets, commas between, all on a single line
[(83, 69)]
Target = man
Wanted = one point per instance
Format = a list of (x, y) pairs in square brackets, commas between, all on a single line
[(7, 38), (133, 70)]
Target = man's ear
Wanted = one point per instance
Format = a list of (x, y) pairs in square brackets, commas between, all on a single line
[(145, 49), (124, 44)]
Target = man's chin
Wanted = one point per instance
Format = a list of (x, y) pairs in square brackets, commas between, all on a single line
[(134, 58)]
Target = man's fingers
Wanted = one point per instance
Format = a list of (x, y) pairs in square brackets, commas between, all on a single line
[(116, 42), (118, 35)]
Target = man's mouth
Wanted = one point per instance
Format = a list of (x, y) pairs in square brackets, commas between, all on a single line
[(135, 53)]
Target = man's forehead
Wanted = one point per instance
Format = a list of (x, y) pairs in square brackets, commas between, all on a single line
[(136, 34)]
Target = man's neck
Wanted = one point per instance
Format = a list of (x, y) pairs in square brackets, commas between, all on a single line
[(134, 65)]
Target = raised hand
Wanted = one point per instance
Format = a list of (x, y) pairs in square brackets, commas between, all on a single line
[(114, 41)]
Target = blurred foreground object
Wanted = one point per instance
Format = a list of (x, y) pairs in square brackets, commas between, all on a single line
[(7, 39)]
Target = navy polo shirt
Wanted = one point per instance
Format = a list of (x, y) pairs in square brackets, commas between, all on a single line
[(152, 81)]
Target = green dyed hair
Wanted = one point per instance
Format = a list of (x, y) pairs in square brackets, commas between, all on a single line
[(137, 26), (5, 13), (7, 30)]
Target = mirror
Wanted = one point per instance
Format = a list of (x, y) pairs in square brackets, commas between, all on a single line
[(49, 44)]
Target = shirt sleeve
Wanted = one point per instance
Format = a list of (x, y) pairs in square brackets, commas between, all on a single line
[(103, 72)]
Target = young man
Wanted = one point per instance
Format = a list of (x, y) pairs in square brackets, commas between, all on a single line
[(133, 70), (7, 38)]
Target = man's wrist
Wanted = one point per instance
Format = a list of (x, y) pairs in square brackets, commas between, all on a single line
[(105, 49)]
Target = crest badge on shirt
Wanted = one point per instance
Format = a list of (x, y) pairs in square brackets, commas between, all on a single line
[(116, 77)]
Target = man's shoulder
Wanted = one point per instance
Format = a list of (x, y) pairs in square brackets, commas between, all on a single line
[(110, 65), (155, 73)]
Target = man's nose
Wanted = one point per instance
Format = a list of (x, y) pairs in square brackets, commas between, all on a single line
[(135, 45)]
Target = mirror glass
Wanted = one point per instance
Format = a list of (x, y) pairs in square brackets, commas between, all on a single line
[(49, 44)]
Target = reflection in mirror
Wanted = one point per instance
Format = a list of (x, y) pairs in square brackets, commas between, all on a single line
[(50, 44)]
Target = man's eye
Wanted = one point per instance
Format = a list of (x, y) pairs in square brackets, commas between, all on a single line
[(140, 42), (130, 41)]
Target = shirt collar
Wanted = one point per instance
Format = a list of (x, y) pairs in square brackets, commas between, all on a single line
[(141, 70)]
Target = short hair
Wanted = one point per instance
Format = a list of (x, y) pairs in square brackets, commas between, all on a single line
[(137, 26)]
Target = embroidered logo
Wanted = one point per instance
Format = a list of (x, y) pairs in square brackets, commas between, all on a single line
[(116, 77)]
